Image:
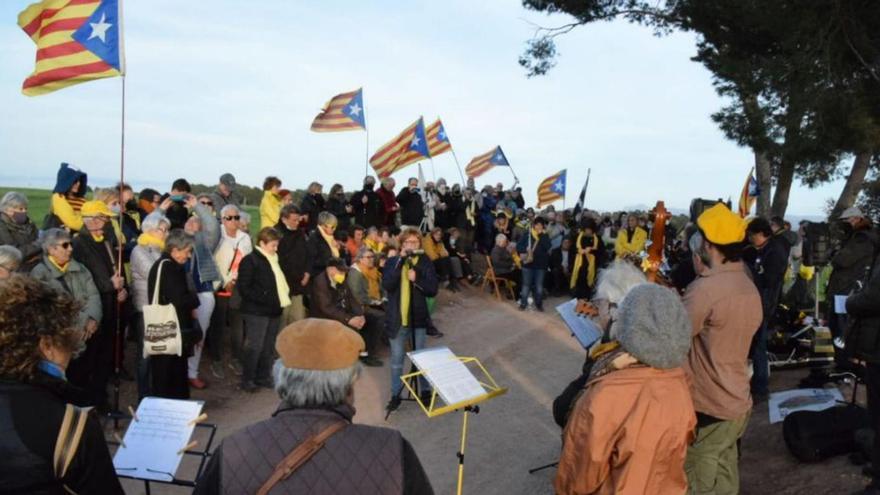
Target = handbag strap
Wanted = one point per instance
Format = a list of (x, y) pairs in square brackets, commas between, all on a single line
[(69, 436), (155, 298), (300, 455)]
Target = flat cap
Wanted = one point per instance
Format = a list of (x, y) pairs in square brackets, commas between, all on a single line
[(722, 226), (318, 344)]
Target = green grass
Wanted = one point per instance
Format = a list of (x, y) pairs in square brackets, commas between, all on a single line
[(38, 201)]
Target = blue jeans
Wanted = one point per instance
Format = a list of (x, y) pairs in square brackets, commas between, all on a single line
[(532, 280), (398, 353)]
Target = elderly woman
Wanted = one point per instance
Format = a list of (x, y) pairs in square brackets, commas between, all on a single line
[(38, 338), (339, 207), (10, 260), (435, 250), (149, 249), (16, 229), (322, 246), (312, 204), (503, 262), (169, 372), (315, 378), (60, 271)]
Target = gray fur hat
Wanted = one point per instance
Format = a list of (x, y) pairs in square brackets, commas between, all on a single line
[(653, 326)]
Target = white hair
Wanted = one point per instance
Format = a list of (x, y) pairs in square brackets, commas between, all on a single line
[(245, 217), (13, 199), (229, 208), (314, 388), (53, 237), (616, 281), (499, 238), (154, 221), (10, 257)]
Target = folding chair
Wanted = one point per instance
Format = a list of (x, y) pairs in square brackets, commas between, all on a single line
[(489, 277)]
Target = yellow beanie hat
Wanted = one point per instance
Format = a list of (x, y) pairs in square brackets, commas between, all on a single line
[(96, 209), (722, 226)]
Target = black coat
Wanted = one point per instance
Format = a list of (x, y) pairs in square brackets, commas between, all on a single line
[(312, 205), (31, 418), (443, 218), (540, 251), (98, 257), (412, 208), (256, 284), (332, 303), (176, 289), (293, 257), (851, 262), (336, 206), (863, 307), (367, 214), (319, 253), (23, 237), (425, 286), (768, 265)]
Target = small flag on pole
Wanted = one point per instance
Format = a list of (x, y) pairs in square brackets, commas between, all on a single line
[(438, 141), (77, 41), (551, 189), (583, 196), (344, 112), (749, 195), (483, 163), (408, 147)]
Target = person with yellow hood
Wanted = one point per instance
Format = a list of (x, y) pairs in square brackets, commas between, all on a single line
[(586, 251), (632, 239), (725, 312), (270, 205)]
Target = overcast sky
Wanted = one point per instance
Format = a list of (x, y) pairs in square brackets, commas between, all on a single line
[(232, 86)]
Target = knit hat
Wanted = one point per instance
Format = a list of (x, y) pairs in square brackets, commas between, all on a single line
[(318, 344), (95, 209), (653, 326), (722, 226)]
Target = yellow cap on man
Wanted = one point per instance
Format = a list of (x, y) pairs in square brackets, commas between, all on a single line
[(722, 226)]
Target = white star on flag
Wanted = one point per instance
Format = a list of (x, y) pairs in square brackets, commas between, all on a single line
[(557, 186), (498, 157), (354, 109), (415, 142), (99, 29), (441, 135)]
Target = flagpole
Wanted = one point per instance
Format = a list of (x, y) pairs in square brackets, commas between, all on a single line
[(367, 133), (433, 171), (460, 173), (515, 178)]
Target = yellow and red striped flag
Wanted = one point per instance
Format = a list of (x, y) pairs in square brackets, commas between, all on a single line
[(551, 189), (408, 147), (438, 141), (483, 163), (77, 41), (749, 195), (344, 112)]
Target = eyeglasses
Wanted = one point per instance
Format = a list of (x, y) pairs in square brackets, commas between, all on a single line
[(64, 245), (232, 217), (206, 203)]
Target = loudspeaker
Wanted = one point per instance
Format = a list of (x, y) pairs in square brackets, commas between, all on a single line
[(817, 243), (699, 205)]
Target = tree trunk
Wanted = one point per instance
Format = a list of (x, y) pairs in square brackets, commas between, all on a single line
[(783, 189), (763, 175), (853, 184)]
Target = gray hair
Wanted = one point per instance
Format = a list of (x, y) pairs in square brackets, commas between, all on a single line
[(180, 240), (53, 237), (13, 199), (228, 208), (154, 221), (245, 217), (372, 229), (327, 218), (363, 251), (387, 180), (10, 257), (314, 388), (695, 243), (616, 281), (499, 238)]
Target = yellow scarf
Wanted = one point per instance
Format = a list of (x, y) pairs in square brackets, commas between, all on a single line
[(579, 261), (469, 211), (517, 261), (330, 242), (98, 238), (405, 291), (374, 283), (62, 269), (375, 246), (280, 281), (147, 239), (535, 234)]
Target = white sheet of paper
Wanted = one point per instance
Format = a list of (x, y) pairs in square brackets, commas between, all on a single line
[(840, 304), (152, 442), (452, 380), (781, 404)]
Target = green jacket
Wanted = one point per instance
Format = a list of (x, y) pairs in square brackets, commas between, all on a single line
[(76, 281)]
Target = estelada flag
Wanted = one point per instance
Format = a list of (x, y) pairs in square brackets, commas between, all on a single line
[(749, 195), (438, 141), (408, 147), (483, 163), (344, 112), (77, 41), (551, 189)]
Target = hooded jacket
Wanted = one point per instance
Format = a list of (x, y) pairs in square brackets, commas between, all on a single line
[(69, 216)]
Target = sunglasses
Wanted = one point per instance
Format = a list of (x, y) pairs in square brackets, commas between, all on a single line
[(64, 245), (232, 217), (206, 203)]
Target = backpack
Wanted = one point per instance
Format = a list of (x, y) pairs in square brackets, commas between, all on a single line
[(812, 436)]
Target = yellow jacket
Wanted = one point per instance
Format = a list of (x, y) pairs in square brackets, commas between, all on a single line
[(637, 245), (71, 218), (270, 209), (434, 250)]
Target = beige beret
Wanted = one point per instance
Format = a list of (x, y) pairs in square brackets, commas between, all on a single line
[(318, 344)]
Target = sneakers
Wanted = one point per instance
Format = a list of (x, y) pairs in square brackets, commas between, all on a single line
[(522, 307), (249, 387), (198, 383), (393, 404), (371, 361), (217, 370)]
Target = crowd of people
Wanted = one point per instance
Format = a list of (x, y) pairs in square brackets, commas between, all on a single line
[(302, 302)]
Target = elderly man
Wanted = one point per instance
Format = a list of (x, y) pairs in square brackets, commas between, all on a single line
[(365, 283), (96, 249), (725, 312), (315, 376), (10, 260), (322, 245), (293, 257), (225, 193), (16, 229), (412, 207)]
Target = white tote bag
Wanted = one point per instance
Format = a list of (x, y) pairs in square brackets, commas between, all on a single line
[(161, 328)]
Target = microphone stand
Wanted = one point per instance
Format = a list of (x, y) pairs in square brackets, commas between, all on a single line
[(407, 265)]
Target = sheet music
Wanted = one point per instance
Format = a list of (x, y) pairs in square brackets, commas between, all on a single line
[(581, 326), (452, 380), (152, 442)]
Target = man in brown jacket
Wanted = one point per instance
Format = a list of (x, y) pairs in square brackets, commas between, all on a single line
[(315, 376), (629, 431), (725, 312)]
